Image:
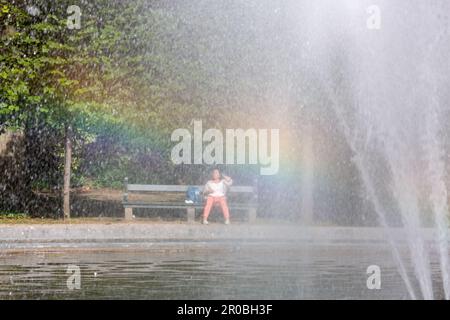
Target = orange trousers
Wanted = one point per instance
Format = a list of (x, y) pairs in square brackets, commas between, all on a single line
[(221, 201)]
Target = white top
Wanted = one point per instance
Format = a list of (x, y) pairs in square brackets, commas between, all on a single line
[(218, 189)]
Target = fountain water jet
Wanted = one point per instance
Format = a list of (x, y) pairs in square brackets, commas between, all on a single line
[(385, 89)]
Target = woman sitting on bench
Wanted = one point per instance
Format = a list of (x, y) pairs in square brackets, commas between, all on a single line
[(215, 191)]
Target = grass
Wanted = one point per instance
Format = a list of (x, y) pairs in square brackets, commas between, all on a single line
[(14, 218), (12, 215), (18, 219)]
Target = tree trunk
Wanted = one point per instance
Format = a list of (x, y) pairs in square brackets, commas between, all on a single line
[(67, 172)]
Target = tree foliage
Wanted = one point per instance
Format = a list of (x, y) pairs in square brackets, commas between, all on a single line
[(132, 73)]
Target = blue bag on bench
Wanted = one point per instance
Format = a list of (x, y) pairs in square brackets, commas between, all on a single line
[(193, 195)]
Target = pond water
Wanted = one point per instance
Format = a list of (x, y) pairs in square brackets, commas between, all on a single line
[(205, 271)]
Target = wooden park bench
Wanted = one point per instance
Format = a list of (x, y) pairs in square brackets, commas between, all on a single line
[(249, 204)]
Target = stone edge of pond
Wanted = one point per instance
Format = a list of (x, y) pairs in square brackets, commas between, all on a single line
[(82, 234)]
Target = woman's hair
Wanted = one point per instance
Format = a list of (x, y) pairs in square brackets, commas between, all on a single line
[(214, 169)]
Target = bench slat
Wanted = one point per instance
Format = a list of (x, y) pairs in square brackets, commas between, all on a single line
[(180, 188), (179, 205)]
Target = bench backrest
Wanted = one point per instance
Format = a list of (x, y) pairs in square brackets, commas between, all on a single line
[(177, 188)]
